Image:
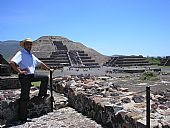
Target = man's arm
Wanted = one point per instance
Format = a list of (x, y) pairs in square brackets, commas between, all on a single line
[(16, 68), (44, 66)]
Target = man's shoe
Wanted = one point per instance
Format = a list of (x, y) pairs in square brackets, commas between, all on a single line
[(22, 121), (44, 96), (25, 120)]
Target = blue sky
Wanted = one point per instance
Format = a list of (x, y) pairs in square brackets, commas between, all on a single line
[(127, 27)]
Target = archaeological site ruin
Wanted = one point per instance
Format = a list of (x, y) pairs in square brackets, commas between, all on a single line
[(90, 90)]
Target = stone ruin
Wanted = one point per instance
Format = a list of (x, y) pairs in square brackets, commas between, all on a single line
[(10, 93), (9, 105), (117, 101), (4, 67), (113, 106), (165, 61), (125, 61), (55, 53), (7, 80), (101, 98)]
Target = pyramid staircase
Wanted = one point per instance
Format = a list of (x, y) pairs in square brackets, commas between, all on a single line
[(87, 61), (59, 58), (165, 61), (63, 57), (124, 61)]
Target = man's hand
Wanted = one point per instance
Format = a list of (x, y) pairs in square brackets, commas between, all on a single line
[(51, 70), (17, 69), (44, 66), (23, 72)]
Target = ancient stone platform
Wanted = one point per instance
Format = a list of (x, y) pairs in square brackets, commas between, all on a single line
[(125, 61), (55, 52), (116, 99), (113, 100), (62, 118)]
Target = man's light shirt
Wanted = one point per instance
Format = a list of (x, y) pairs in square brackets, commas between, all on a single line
[(26, 61)]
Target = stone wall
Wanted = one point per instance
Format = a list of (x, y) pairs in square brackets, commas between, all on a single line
[(107, 115), (9, 82), (36, 107), (165, 61), (4, 67), (110, 105), (125, 61), (99, 98), (9, 105)]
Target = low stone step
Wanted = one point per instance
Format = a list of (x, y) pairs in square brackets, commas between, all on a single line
[(62, 118), (87, 60), (90, 63), (37, 106), (134, 64), (59, 55), (85, 57), (55, 61), (58, 64), (83, 54), (128, 62)]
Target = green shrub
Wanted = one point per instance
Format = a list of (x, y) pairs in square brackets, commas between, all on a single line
[(148, 75), (153, 60), (36, 84)]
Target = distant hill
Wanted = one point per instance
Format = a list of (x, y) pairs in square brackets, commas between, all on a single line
[(9, 48)]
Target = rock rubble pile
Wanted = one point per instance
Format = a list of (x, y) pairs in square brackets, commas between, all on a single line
[(112, 105)]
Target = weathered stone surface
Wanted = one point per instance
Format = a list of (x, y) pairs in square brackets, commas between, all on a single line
[(97, 104), (36, 107), (4, 67), (138, 98), (9, 82), (61, 118), (58, 51)]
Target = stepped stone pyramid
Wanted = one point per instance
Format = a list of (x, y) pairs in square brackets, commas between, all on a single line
[(123, 61), (165, 61), (4, 67), (58, 51)]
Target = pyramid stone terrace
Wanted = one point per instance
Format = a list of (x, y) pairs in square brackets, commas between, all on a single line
[(4, 67), (165, 61), (123, 61), (53, 52)]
